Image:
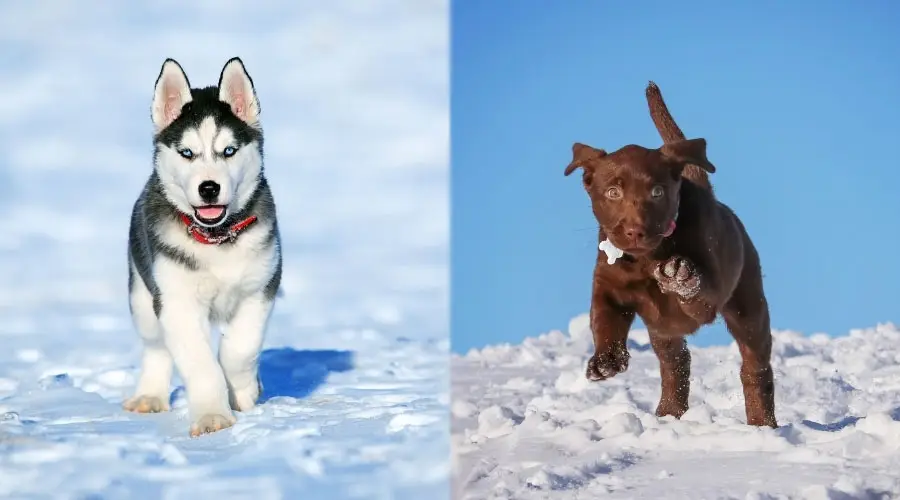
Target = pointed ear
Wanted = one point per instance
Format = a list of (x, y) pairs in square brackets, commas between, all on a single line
[(582, 154), (688, 152), (236, 89), (171, 93)]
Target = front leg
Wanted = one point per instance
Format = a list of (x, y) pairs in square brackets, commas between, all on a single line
[(184, 320), (240, 348), (609, 325), (695, 289), (675, 374)]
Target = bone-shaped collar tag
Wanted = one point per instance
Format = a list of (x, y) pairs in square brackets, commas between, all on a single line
[(612, 252)]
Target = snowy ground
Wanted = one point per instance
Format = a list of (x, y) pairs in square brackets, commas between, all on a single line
[(527, 424), (354, 100)]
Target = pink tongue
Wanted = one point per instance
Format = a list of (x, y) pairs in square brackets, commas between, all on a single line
[(210, 212), (670, 230)]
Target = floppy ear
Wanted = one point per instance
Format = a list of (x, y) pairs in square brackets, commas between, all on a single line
[(171, 93), (236, 89), (582, 154), (688, 152)]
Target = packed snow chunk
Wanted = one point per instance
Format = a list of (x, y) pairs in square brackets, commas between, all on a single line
[(497, 421), (555, 478), (566, 477), (554, 338), (405, 420), (520, 384), (538, 422), (580, 328), (576, 436), (700, 414), (572, 382), (463, 409), (622, 424), (883, 425)]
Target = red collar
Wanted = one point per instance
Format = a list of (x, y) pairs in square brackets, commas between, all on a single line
[(201, 235)]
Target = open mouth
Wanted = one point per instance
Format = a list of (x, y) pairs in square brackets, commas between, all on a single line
[(210, 214)]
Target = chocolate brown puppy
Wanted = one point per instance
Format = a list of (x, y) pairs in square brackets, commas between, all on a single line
[(687, 258)]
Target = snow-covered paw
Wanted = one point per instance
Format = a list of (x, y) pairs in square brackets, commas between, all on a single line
[(670, 407), (246, 398), (607, 364), (146, 404), (678, 275), (211, 423)]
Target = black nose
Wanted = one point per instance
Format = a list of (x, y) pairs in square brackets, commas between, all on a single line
[(209, 191)]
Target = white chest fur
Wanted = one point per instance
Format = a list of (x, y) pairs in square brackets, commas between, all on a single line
[(225, 274)]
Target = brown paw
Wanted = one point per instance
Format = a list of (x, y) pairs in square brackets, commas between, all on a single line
[(762, 421), (678, 275), (146, 404), (673, 408), (208, 424), (607, 364)]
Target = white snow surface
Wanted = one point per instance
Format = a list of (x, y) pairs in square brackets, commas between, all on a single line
[(355, 109), (527, 424)]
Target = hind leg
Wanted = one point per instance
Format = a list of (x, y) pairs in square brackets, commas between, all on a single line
[(747, 318), (675, 372), (152, 393)]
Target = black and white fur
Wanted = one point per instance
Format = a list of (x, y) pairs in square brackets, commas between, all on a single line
[(180, 288)]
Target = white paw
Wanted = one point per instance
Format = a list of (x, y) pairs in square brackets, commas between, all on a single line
[(211, 423), (245, 398), (146, 404)]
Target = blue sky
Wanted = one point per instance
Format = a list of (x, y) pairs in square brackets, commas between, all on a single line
[(799, 103)]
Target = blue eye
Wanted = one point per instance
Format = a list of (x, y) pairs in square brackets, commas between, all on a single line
[(187, 153), (229, 151)]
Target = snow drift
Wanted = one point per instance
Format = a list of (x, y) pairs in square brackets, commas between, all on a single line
[(527, 424)]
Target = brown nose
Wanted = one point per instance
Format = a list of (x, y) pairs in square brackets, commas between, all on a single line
[(634, 233)]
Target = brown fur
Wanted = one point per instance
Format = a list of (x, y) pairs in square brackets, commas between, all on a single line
[(676, 284), (670, 132)]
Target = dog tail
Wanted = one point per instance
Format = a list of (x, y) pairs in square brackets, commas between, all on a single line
[(670, 132)]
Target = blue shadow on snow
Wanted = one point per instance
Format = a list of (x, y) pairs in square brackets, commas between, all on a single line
[(287, 372), (846, 422)]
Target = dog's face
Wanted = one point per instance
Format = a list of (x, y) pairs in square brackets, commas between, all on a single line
[(634, 191), (208, 142)]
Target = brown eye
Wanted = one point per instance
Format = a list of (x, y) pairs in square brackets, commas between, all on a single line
[(657, 191), (614, 193)]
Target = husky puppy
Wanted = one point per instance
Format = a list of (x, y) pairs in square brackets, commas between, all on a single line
[(203, 248)]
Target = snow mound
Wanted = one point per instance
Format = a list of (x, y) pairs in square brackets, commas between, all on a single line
[(332, 423), (527, 424)]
